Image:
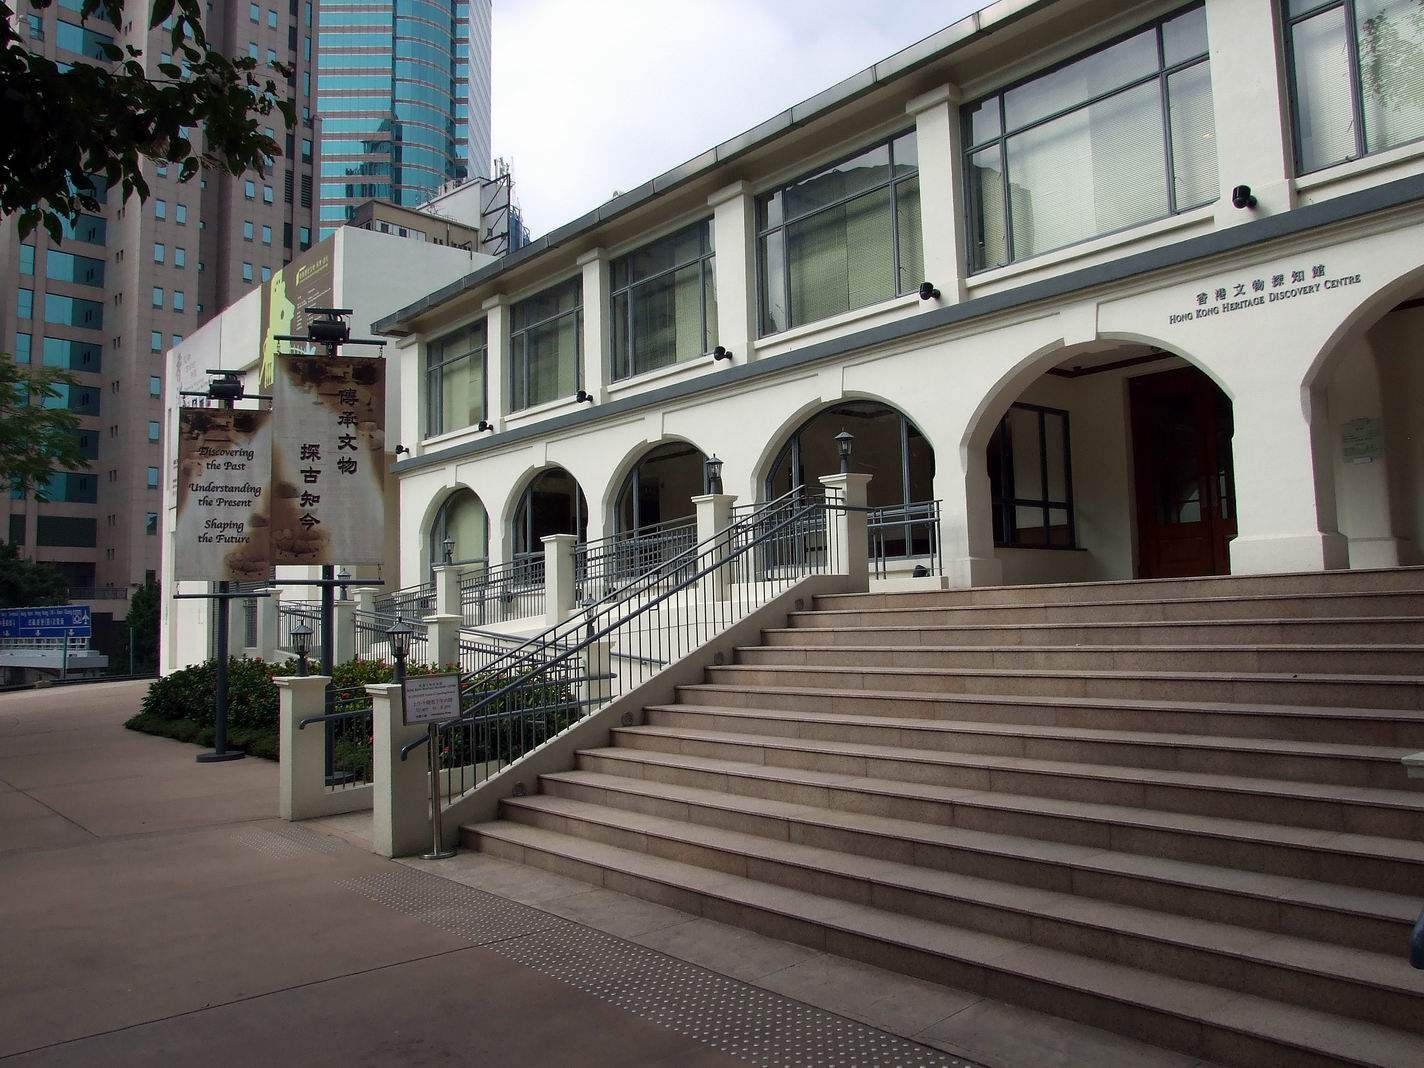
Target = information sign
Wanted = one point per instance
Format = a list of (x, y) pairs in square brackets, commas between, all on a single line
[(431, 699), (59, 621), (224, 463)]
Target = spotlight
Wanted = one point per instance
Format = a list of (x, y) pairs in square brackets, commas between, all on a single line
[(721, 352), (583, 395), (928, 291), (1241, 197)]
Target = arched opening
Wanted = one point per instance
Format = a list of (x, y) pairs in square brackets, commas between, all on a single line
[(462, 522), (886, 445), (657, 492), (552, 503)]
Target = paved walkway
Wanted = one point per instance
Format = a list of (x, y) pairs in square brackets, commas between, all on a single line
[(153, 909)]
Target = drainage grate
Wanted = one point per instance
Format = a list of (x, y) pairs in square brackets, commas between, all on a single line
[(733, 1017)]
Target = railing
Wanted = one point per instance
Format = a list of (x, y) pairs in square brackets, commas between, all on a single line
[(481, 649), (605, 565), (505, 591), (349, 725), (524, 698), (413, 602), (905, 532), (372, 642), (295, 612)]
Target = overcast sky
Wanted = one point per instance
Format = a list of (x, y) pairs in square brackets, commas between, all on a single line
[(592, 97)]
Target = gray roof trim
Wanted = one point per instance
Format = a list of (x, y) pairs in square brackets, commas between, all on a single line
[(1340, 209), (933, 47)]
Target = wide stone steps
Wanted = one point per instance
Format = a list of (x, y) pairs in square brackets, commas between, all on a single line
[(1352, 660), (1348, 858), (1350, 765), (1279, 688), (1368, 920), (1203, 1019), (1403, 728)]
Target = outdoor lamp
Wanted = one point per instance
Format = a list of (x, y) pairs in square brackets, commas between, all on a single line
[(332, 331), (712, 474), (398, 634), (928, 291), (483, 425), (583, 396), (226, 387), (449, 546), (301, 645), (843, 443), (342, 577), (721, 352)]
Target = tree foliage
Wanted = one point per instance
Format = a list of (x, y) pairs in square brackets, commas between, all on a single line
[(103, 119), (143, 621), (35, 440), (25, 584)]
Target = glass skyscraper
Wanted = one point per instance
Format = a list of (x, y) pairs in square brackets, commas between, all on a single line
[(403, 98)]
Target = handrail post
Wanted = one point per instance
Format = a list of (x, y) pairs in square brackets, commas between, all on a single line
[(447, 590), (558, 577), (301, 772), (400, 807), (443, 644), (714, 515), (846, 496), (343, 631), (597, 666), (269, 625)]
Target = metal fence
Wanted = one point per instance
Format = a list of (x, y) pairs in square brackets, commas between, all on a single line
[(413, 602), (905, 532), (373, 642), (295, 612), (607, 564), (505, 591), (350, 729)]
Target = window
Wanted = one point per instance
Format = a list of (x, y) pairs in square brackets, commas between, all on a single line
[(272, 19), (180, 213), (67, 267), (1116, 138), (1031, 479), (247, 272), (306, 143), (1373, 47), (178, 338), (160, 252), (266, 235), (88, 228), (155, 386), (158, 296), (160, 209), (72, 38), (251, 49), (22, 347), (305, 235), (844, 237), (271, 57), (26, 307), (153, 478), (69, 487), (155, 341), (27, 259), (664, 302), (254, 13), (66, 531), (266, 194), (150, 523), (70, 311), (180, 257), (178, 300), (455, 379), (247, 229), (266, 274), (546, 345), (249, 189), (154, 429), (17, 522)]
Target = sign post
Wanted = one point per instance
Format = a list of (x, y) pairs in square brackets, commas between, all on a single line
[(432, 700)]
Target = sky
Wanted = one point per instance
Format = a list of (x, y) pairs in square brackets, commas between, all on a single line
[(593, 96)]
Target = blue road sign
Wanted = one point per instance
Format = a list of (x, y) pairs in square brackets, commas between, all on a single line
[(59, 621)]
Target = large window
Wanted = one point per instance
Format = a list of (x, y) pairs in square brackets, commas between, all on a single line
[(1116, 138), (1372, 46), (546, 345), (73, 311), (67, 267), (463, 521), (1031, 479), (664, 302), (66, 531), (844, 237), (455, 379), (552, 503)]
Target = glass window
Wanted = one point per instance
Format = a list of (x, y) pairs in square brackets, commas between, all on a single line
[(455, 379), (266, 194), (88, 228), (155, 341), (305, 236), (67, 267), (26, 307), (160, 252), (254, 13), (76, 39), (160, 209), (72, 355), (71, 311), (546, 345), (266, 235), (1113, 139), (178, 338), (150, 523), (155, 386), (845, 237), (178, 300), (272, 19), (22, 347), (27, 259), (1374, 47), (664, 302), (180, 213), (66, 531), (249, 189), (266, 274), (154, 429), (153, 478), (247, 229), (158, 296), (1031, 479), (180, 257), (247, 272)]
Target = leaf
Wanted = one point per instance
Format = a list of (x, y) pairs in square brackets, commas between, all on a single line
[(170, 70), (161, 10)]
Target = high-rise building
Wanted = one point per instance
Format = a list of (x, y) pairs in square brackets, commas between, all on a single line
[(127, 284), (403, 100)]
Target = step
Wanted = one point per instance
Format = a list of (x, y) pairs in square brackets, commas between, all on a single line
[(1403, 728), (1395, 579), (1372, 862), (1362, 630), (1242, 658), (917, 612), (1367, 986), (1192, 1017), (1349, 765), (1360, 691), (1368, 920)]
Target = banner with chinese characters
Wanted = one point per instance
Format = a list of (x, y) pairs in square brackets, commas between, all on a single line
[(304, 283), (328, 460), (223, 522)]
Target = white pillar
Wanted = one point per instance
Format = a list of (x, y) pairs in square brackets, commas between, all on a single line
[(447, 590), (409, 358), (558, 577), (966, 525), (937, 141), (714, 515), (269, 619), (400, 797), (1362, 485), (852, 536), (597, 659), (734, 238), (596, 342), (301, 770), (444, 640), (343, 631), (496, 359), (365, 599), (1252, 113)]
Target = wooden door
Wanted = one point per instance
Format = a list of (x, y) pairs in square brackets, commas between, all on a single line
[(1186, 506)]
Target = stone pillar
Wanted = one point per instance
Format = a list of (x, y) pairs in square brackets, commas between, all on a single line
[(966, 525), (734, 236), (1362, 486), (444, 640), (937, 140), (849, 522), (558, 577), (365, 597), (301, 771), (400, 797), (343, 617), (597, 661), (447, 590), (269, 625), (594, 373), (496, 359), (714, 515)]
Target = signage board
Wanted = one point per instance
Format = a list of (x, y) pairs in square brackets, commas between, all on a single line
[(328, 460), (223, 523), (58, 621), (1362, 441), (430, 699), (305, 283)]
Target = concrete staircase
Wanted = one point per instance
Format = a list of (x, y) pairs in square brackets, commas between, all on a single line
[(1171, 809)]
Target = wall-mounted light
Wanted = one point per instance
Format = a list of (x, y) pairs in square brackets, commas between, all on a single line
[(583, 395), (721, 352), (712, 474), (449, 546), (483, 425), (928, 291), (402, 449), (1241, 197), (844, 440)]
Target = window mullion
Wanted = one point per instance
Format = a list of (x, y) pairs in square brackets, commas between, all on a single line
[(1357, 90), (1166, 104)]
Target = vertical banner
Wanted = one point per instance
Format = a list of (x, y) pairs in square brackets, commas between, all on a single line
[(223, 523), (328, 460), (306, 283)]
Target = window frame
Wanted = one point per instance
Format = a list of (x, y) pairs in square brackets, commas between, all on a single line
[(1005, 506), (706, 262), (969, 147), (434, 381), (519, 342)]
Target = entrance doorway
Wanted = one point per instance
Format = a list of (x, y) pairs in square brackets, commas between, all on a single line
[(1186, 501)]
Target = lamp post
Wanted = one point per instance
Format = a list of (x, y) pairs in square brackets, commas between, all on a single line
[(844, 440), (712, 474), (342, 577), (449, 546), (301, 645), (398, 634)]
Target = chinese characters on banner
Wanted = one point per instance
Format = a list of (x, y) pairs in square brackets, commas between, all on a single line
[(223, 522), (328, 460)]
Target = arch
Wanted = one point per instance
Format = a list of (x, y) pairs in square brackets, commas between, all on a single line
[(461, 517), (1370, 309), (550, 500), (626, 513)]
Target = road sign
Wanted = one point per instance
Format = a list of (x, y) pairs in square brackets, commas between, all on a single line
[(59, 621), (431, 699)]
